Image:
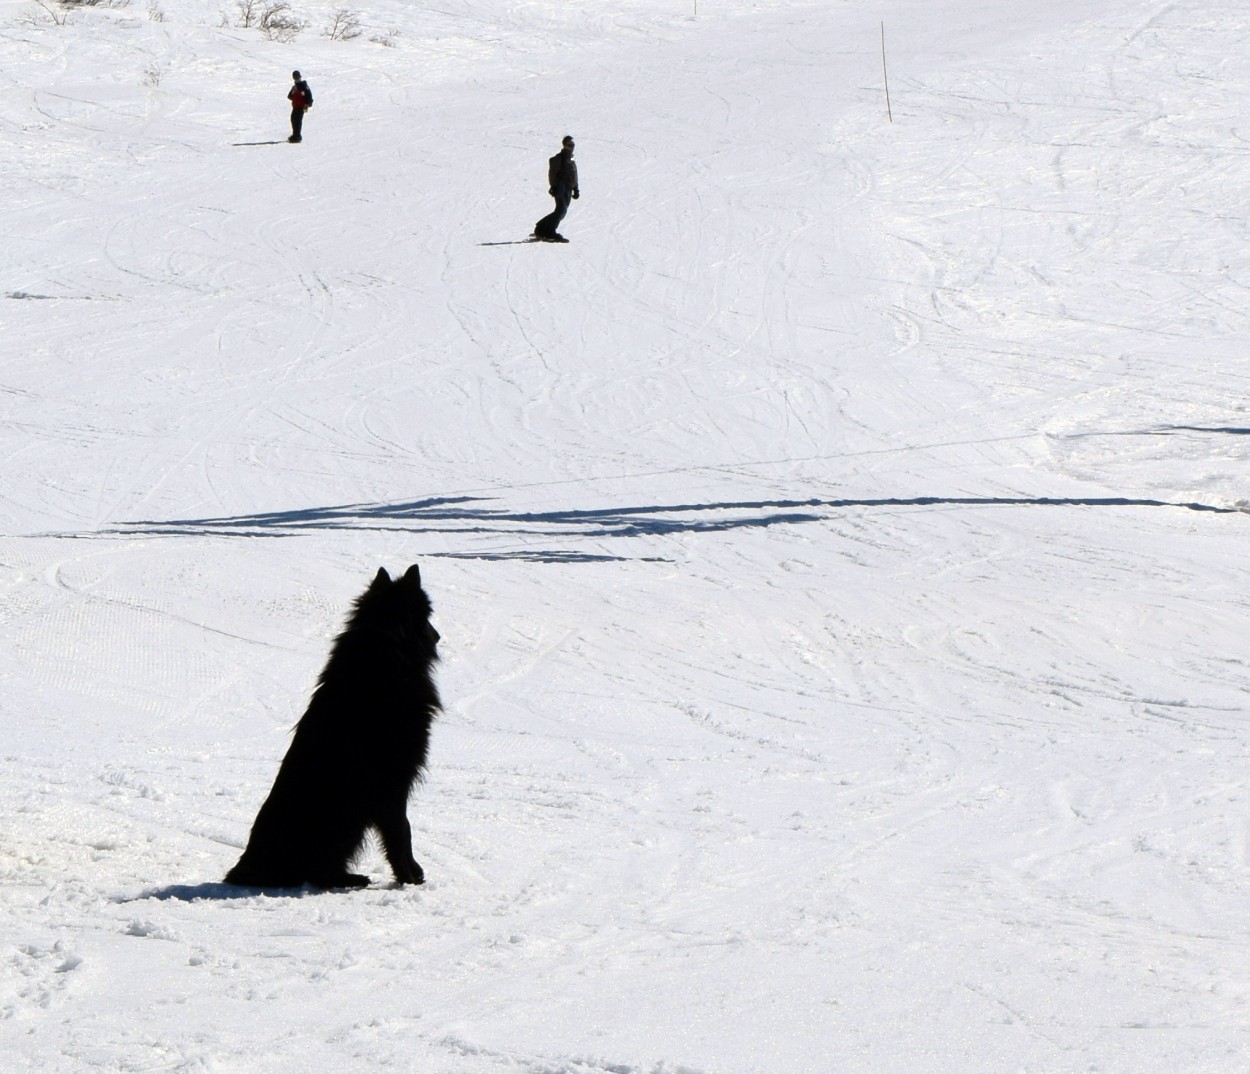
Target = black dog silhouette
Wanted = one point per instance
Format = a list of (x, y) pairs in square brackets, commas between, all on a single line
[(357, 751)]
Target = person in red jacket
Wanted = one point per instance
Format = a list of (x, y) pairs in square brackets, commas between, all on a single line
[(301, 101), (562, 179)]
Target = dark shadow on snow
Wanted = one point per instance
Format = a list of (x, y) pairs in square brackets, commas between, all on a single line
[(196, 893), (276, 141), (459, 515), (553, 556), (220, 892), (476, 516), (1226, 429), (1161, 430)]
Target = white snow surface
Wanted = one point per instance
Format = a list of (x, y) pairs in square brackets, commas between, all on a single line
[(839, 547)]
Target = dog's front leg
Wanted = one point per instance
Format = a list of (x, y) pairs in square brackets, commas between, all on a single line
[(396, 835)]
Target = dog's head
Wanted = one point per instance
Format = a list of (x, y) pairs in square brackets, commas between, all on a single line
[(400, 605)]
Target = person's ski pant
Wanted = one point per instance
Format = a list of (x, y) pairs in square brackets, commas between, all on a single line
[(548, 224)]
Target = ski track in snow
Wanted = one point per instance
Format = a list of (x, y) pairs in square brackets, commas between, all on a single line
[(837, 546)]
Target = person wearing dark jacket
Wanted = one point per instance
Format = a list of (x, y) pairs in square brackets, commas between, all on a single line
[(301, 101), (562, 179)]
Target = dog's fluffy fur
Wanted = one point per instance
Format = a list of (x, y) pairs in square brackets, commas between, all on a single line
[(356, 753)]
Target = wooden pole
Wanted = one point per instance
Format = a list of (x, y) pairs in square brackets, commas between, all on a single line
[(886, 76)]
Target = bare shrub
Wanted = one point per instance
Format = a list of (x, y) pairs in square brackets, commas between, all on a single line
[(277, 22), (59, 18), (344, 25)]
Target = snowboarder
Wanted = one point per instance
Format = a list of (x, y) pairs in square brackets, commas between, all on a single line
[(562, 179), (301, 101)]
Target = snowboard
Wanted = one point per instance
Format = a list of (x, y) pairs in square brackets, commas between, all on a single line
[(522, 242)]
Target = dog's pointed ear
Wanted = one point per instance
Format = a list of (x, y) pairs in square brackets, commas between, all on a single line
[(381, 578), (413, 576)]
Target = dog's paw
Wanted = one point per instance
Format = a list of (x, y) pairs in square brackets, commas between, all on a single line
[(414, 874)]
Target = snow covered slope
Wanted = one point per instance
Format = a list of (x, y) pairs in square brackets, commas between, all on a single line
[(838, 547)]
